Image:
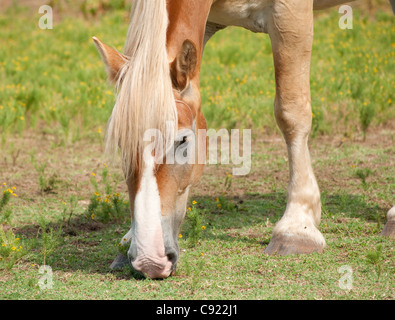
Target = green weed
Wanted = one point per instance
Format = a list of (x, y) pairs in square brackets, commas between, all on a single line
[(106, 204), (69, 209), (228, 182), (194, 225), (5, 197), (363, 174), (46, 182), (366, 115), (50, 238), (375, 258), (224, 205), (11, 250)]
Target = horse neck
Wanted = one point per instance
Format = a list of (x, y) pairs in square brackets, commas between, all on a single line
[(187, 20)]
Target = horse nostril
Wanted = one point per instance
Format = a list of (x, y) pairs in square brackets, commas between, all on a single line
[(172, 256)]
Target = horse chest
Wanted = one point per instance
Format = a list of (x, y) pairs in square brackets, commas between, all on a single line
[(249, 14)]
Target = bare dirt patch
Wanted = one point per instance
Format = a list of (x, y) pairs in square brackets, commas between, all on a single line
[(333, 160)]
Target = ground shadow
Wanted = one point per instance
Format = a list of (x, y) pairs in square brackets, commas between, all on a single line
[(91, 246)]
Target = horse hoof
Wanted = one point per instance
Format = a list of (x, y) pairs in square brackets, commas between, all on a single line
[(389, 228), (119, 262), (287, 245)]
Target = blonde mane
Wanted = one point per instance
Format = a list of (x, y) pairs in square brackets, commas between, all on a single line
[(145, 95)]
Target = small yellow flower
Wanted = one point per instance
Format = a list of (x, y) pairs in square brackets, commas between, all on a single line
[(216, 199), (203, 228), (93, 174), (97, 194), (219, 205), (3, 245), (189, 209), (194, 202), (93, 216), (180, 235), (13, 248), (201, 254)]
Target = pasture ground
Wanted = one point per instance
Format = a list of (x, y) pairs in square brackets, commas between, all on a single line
[(54, 104), (228, 262)]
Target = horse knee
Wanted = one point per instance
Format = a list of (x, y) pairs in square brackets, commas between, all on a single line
[(294, 118)]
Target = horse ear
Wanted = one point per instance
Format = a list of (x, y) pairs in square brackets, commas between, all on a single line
[(184, 65), (113, 60)]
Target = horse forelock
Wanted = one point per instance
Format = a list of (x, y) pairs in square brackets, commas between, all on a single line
[(145, 97)]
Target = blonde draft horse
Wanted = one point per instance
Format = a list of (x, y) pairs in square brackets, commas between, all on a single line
[(157, 80)]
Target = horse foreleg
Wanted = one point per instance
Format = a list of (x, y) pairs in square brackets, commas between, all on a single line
[(290, 27), (389, 228), (122, 260)]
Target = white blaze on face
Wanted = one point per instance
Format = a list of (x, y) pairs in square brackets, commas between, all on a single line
[(147, 235)]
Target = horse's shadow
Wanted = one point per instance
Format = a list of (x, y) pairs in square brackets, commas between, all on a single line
[(90, 247)]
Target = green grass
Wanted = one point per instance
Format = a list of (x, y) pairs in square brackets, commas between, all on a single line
[(53, 80), (54, 105), (227, 261)]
